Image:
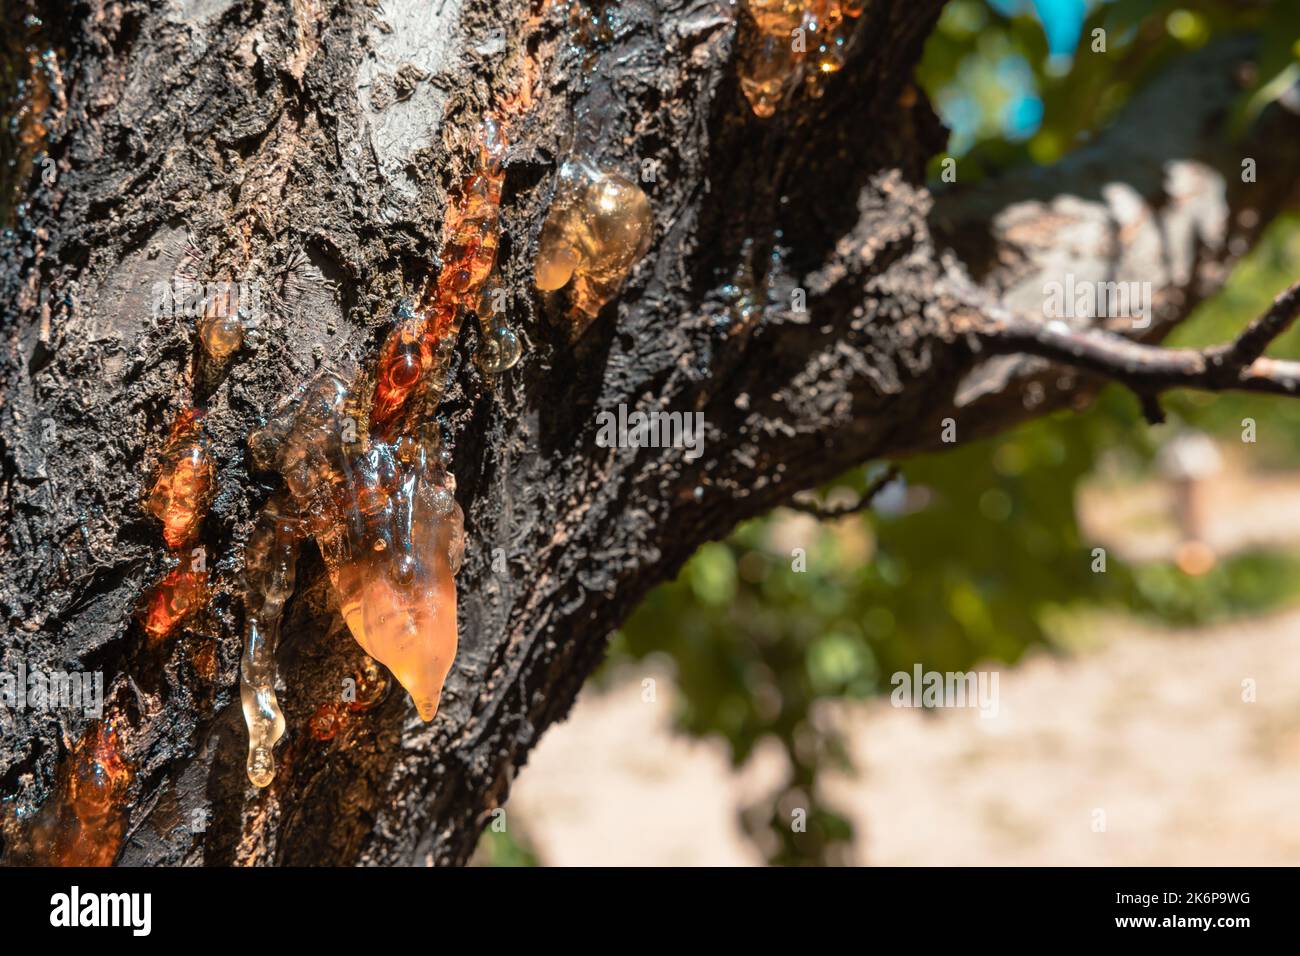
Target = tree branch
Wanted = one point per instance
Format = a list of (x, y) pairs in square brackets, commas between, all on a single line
[(1149, 369), (1257, 336), (1159, 197), (825, 513)]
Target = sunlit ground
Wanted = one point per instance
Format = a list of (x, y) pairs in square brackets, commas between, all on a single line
[(1131, 745)]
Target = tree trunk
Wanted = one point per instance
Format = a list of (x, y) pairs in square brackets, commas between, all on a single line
[(311, 146)]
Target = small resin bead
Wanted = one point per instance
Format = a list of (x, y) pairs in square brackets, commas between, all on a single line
[(183, 491), (220, 329), (175, 599), (500, 348)]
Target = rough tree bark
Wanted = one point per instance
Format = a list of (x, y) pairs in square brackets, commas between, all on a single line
[(311, 144)]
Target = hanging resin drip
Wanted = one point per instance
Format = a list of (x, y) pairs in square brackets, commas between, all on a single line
[(417, 352), (393, 559), (270, 560), (824, 22), (388, 525)]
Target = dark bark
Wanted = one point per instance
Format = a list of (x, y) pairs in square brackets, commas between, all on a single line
[(311, 144)]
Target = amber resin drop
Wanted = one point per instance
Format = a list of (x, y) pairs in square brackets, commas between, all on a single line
[(782, 40), (406, 357), (175, 599), (825, 22), (83, 822), (220, 329), (388, 525), (769, 61), (598, 227), (305, 441), (186, 475)]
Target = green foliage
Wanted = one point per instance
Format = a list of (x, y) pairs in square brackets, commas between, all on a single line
[(499, 848), (979, 50)]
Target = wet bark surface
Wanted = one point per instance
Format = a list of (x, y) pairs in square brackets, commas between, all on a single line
[(310, 147)]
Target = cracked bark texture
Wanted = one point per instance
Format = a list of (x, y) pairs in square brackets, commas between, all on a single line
[(311, 145)]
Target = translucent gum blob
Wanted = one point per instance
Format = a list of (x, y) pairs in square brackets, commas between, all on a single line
[(500, 348), (784, 39), (220, 329), (391, 533), (769, 69), (183, 491), (385, 516), (824, 20), (406, 357), (304, 440), (769, 62), (776, 16), (598, 227)]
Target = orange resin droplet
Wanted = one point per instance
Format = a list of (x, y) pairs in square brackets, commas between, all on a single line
[(326, 722), (220, 328), (174, 599), (825, 20), (403, 361), (83, 822), (184, 489), (472, 232)]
